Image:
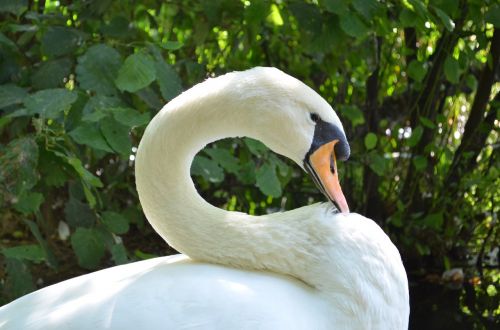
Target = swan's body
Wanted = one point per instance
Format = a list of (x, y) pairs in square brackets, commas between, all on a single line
[(320, 270)]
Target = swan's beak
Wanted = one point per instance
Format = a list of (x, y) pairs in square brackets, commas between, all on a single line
[(322, 165)]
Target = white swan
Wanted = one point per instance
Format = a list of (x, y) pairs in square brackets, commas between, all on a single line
[(303, 269)]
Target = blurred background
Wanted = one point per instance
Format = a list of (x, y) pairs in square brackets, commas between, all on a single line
[(415, 83)]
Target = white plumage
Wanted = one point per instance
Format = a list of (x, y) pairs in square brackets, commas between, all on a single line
[(308, 268)]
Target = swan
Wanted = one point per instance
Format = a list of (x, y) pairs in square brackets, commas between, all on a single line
[(309, 268)]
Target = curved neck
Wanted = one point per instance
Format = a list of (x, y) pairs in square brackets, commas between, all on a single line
[(167, 193), (343, 256)]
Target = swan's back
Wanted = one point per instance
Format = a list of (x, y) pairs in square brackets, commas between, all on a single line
[(170, 293)]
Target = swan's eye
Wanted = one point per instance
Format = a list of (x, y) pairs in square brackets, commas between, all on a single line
[(314, 117)]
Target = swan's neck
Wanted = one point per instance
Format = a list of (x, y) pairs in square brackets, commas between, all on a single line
[(332, 253)]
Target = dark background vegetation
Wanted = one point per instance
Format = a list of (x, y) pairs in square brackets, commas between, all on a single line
[(415, 82)]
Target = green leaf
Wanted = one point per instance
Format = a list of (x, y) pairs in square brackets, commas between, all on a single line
[(94, 109), (354, 114), (88, 247), (207, 168), (267, 180), (225, 159), (339, 7), (452, 70), (50, 103), (35, 231), (416, 70), (29, 202), (434, 220), (137, 72), (445, 19), (11, 94), (168, 79), (16, 7), (51, 74), (129, 117), (118, 27), (367, 8), (97, 69), (78, 214), (420, 163), (246, 174), (85, 175), (471, 82), (115, 222), (256, 147), (427, 122), (420, 8), (18, 164), (378, 164), (408, 18), (119, 254), (90, 135), (25, 252), (352, 25), (493, 15), (117, 136), (416, 135), (370, 140), (19, 280), (171, 45), (61, 40)]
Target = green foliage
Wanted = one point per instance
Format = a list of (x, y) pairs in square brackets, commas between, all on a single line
[(412, 81)]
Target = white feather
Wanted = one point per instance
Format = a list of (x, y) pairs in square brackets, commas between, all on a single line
[(303, 269)]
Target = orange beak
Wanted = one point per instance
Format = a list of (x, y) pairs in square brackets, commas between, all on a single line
[(324, 166)]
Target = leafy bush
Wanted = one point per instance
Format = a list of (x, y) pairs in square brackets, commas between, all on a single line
[(415, 83)]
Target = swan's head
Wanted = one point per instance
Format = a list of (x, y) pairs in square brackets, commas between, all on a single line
[(295, 121)]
